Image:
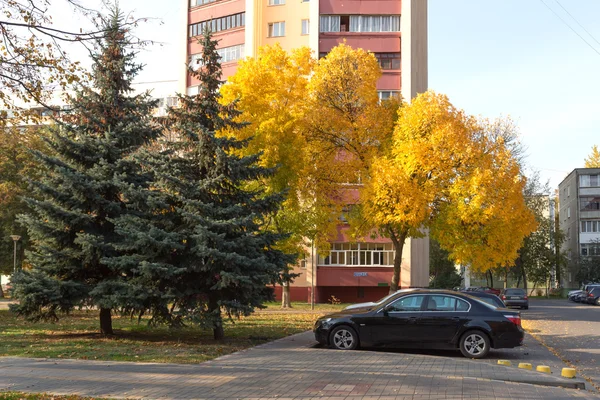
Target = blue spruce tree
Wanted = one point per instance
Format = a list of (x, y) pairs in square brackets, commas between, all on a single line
[(91, 180), (201, 246)]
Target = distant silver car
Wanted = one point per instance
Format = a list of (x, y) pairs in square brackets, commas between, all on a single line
[(515, 298)]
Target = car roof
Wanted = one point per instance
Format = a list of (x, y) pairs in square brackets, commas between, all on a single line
[(480, 294)]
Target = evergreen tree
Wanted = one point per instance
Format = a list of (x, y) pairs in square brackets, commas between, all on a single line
[(91, 179), (205, 250)]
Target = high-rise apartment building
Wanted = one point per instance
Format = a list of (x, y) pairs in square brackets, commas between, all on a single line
[(396, 32)]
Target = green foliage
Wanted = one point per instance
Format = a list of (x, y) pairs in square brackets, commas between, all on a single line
[(442, 271), (89, 180), (537, 258), (588, 269)]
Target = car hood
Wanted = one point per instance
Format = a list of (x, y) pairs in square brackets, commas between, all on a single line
[(360, 305), (347, 312)]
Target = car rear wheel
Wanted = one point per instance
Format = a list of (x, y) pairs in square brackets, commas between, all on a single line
[(598, 301), (474, 344), (343, 338)]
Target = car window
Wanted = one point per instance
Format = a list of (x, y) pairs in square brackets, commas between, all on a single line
[(406, 303), (515, 292), (446, 303), (492, 301)]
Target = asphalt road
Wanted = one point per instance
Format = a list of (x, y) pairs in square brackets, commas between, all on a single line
[(572, 330)]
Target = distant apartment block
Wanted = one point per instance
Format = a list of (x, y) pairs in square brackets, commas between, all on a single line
[(396, 32), (579, 217)]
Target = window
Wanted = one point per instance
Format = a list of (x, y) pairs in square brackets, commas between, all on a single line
[(388, 60), (359, 23), (195, 3), (589, 203), (590, 226), (374, 23), (406, 304), (305, 26), (218, 24), (276, 2), (329, 23), (363, 254), (590, 249), (568, 191), (446, 303), (227, 54), (589, 180), (387, 94), (277, 29), (231, 53)]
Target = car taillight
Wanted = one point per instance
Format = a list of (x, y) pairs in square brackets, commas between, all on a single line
[(503, 297), (515, 319), (591, 295), (525, 297)]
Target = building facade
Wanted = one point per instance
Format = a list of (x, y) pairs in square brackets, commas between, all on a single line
[(579, 219), (396, 32)]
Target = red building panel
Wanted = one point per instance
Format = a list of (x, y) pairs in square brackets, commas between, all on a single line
[(365, 7), (354, 276)]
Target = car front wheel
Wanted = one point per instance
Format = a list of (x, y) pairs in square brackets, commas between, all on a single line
[(474, 344), (344, 338)]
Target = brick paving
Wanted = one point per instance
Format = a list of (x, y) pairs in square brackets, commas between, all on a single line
[(288, 369)]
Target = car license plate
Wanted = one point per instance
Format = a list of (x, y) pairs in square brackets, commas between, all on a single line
[(515, 298)]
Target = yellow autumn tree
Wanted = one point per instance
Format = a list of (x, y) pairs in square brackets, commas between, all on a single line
[(274, 114), (593, 160), (444, 173)]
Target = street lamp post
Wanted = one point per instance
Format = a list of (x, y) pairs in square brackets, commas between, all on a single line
[(15, 239)]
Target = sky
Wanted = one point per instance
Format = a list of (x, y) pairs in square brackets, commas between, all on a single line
[(493, 58)]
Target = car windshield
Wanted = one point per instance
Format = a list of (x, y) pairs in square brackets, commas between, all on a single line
[(383, 299), (514, 292)]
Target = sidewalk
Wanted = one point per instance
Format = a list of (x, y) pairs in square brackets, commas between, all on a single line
[(289, 369)]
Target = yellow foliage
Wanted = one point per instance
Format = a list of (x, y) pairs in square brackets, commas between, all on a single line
[(320, 124), (444, 172), (593, 160)]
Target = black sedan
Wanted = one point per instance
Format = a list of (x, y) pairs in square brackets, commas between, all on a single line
[(423, 319)]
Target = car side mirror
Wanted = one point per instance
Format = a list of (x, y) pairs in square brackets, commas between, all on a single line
[(386, 310)]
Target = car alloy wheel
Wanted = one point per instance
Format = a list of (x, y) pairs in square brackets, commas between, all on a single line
[(474, 344), (344, 338)]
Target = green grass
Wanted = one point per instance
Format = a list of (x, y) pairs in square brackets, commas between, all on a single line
[(76, 336)]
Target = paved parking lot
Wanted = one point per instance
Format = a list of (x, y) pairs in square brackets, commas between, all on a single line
[(289, 369), (571, 329)]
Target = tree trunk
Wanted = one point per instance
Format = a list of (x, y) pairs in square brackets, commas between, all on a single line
[(398, 241), (285, 295), (524, 279), (106, 321), (491, 278), (1, 292), (506, 278), (518, 280), (215, 310)]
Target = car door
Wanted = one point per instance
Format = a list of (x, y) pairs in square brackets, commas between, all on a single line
[(442, 318), (397, 322)]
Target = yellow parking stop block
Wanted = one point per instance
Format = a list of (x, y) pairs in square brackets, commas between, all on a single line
[(504, 362), (568, 372), (525, 366), (543, 368)]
